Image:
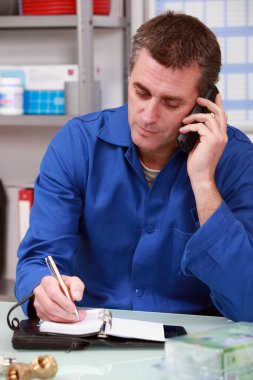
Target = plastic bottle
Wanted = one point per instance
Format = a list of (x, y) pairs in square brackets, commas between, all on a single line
[(11, 96)]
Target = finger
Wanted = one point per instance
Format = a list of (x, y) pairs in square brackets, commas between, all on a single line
[(82, 314), (209, 119), (201, 128), (76, 287), (221, 115), (209, 104), (217, 126), (205, 134), (216, 108), (200, 118), (218, 100)]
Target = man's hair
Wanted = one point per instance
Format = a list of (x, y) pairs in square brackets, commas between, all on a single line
[(177, 40)]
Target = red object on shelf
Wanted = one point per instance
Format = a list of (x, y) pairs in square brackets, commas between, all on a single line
[(101, 7), (58, 7), (25, 203), (48, 7)]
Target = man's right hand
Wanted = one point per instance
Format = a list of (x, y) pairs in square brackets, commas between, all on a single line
[(50, 302)]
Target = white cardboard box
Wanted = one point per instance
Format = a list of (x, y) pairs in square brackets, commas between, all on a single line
[(42, 77)]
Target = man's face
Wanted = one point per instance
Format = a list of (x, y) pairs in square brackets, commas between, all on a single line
[(159, 98)]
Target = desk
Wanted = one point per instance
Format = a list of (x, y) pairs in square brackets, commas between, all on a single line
[(105, 362)]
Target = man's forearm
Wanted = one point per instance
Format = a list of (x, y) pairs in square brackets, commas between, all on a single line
[(208, 200)]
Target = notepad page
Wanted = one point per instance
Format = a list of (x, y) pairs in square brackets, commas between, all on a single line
[(129, 328), (90, 325)]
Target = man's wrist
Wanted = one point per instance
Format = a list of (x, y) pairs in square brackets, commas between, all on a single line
[(208, 199), (199, 185)]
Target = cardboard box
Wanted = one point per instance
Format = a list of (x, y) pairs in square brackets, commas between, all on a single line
[(221, 354)]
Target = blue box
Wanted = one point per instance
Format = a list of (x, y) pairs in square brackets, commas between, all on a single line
[(44, 102)]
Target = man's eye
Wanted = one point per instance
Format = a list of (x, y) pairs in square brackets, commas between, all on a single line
[(142, 94), (171, 106)]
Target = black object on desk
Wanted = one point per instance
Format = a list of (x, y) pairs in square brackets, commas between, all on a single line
[(27, 335)]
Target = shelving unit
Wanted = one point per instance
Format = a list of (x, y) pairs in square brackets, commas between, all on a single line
[(68, 21), (18, 22), (61, 39), (84, 23), (34, 120)]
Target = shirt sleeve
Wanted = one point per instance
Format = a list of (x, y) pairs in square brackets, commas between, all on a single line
[(55, 215), (220, 253)]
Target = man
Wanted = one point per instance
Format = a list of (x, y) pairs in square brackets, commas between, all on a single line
[(126, 212)]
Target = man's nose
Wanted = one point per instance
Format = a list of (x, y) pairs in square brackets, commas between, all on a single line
[(151, 112)]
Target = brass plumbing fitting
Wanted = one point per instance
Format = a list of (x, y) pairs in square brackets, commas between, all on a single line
[(42, 367)]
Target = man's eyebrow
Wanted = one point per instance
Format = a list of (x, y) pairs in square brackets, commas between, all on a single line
[(141, 87), (167, 98)]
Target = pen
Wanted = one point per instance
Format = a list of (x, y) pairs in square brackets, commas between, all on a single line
[(55, 272)]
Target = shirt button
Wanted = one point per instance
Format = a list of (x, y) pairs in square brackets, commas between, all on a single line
[(139, 292), (150, 229)]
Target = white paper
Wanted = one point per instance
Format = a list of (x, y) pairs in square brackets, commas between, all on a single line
[(129, 328), (90, 325), (123, 328)]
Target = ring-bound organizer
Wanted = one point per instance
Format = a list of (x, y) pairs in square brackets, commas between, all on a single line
[(99, 326)]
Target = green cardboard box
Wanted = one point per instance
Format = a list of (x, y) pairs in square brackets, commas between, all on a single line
[(224, 353)]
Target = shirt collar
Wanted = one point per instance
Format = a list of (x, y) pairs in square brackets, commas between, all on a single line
[(116, 129)]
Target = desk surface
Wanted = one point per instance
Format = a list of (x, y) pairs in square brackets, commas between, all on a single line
[(105, 362)]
